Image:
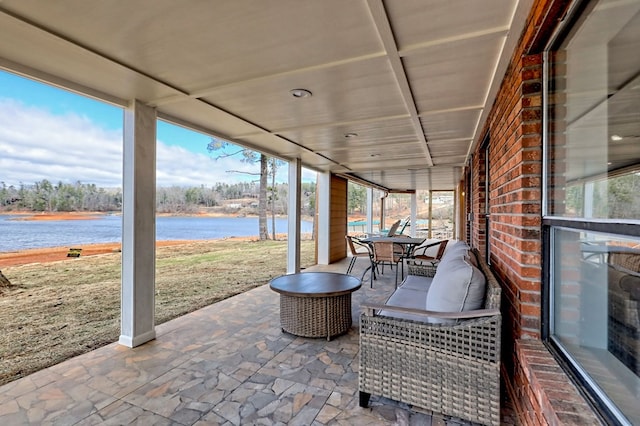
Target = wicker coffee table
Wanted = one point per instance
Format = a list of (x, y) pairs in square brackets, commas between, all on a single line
[(315, 304)]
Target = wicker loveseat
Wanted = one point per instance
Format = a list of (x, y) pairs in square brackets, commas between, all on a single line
[(447, 362)]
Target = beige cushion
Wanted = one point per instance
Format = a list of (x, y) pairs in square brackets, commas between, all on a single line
[(454, 251), (458, 287), (417, 282), (406, 298)]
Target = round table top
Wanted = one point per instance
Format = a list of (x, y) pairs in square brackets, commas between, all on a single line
[(315, 284)]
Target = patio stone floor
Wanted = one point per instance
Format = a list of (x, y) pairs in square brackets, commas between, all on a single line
[(226, 364)]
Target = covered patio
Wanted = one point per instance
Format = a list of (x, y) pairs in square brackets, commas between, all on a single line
[(399, 96), (228, 363), (391, 95)]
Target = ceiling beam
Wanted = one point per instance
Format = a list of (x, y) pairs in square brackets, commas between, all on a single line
[(381, 21), (61, 83), (518, 20), (87, 50)]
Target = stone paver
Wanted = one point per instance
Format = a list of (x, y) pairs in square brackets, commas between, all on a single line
[(226, 364)]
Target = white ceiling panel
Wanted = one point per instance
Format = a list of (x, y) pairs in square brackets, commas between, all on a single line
[(345, 92), (410, 78), (201, 115), (24, 48), (447, 148), (364, 154), (453, 75), (354, 134), (198, 43), (432, 22), (451, 125)]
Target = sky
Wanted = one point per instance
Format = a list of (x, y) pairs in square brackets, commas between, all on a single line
[(49, 133)]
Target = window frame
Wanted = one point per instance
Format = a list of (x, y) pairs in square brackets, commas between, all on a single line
[(577, 13)]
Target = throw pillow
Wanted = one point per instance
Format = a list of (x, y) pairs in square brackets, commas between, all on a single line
[(458, 287)]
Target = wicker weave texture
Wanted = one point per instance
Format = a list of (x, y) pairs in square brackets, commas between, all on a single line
[(454, 370), (315, 316), (422, 269), (450, 369)]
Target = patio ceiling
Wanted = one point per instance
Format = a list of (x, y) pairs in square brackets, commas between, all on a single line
[(411, 80)]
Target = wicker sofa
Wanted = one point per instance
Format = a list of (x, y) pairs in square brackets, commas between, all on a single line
[(444, 361)]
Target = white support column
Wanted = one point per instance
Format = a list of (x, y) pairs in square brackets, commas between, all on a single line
[(369, 210), (137, 324), (414, 213), (323, 209), (293, 237)]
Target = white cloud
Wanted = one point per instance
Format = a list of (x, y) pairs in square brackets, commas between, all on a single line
[(178, 166), (37, 145)]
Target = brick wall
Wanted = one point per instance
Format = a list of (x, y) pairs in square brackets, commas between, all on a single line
[(549, 397), (515, 164), (515, 191), (515, 182), (478, 201)]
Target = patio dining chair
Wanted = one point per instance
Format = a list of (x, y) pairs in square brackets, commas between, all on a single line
[(387, 253), (358, 250), (403, 225), (424, 257), (394, 228)]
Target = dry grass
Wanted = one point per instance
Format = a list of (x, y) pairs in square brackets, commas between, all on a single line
[(57, 310)]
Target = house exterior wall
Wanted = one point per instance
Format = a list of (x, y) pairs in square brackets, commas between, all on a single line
[(541, 391), (478, 201)]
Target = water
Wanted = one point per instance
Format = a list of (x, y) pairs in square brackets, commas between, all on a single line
[(20, 235)]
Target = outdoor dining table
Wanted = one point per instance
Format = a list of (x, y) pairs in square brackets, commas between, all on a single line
[(408, 243)]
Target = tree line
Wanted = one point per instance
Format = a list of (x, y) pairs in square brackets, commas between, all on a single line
[(44, 196)]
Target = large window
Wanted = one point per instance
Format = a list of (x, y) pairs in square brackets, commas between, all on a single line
[(592, 197)]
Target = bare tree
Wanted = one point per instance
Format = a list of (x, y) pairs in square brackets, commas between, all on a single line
[(274, 164), (248, 156)]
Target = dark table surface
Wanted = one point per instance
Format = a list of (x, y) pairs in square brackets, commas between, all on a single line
[(397, 240), (315, 284), (409, 243)]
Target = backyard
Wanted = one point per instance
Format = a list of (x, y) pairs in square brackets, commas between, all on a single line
[(55, 310)]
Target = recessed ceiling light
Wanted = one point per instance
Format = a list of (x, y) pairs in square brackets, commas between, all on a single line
[(616, 138), (300, 93), (350, 135)]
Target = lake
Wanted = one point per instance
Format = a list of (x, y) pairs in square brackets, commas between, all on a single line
[(20, 235)]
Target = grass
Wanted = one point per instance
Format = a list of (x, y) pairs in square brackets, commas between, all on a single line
[(58, 310)]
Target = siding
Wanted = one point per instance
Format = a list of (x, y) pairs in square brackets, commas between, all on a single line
[(338, 219)]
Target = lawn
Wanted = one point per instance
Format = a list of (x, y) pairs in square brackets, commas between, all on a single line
[(57, 310)]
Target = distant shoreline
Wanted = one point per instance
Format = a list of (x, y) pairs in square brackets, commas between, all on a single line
[(45, 216), (59, 253), (55, 254), (31, 216)]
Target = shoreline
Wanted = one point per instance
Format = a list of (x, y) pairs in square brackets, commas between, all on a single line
[(46, 216), (55, 254), (59, 253)]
